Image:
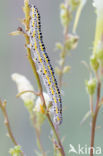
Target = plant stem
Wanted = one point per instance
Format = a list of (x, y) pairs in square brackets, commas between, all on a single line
[(61, 150), (7, 124), (38, 135), (34, 69), (64, 57), (27, 91), (94, 118)]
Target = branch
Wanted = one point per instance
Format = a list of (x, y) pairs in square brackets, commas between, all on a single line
[(94, 118), (7, 124), (27, 91)]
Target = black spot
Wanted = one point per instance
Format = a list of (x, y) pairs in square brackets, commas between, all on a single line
[(40, 33)]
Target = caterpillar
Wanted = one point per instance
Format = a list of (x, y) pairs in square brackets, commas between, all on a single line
[(43, 63)]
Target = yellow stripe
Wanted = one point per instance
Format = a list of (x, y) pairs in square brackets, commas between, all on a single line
[(33, 13), (34, 34), (33, 24), (54, 99), (56, 110), (52, 90), (58, 118)]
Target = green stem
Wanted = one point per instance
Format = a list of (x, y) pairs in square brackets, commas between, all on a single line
[(34, 69)]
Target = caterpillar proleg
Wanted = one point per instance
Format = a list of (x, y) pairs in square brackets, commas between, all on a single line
[(43, 63)]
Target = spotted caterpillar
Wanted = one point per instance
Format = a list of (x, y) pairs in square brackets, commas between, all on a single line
[(43, 62)]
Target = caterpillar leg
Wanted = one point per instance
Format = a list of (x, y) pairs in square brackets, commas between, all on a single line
[(28, 33), (28, 46), (40, 71), (57, 120)]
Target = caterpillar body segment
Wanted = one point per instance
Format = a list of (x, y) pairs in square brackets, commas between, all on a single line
[(44, 65)]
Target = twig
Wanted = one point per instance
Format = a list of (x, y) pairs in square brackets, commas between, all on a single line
[(6, 121), (94, 118), (7, 124), (27, 91)]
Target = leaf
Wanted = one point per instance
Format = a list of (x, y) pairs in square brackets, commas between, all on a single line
[(66, 69), (16, 33), (86, 116)]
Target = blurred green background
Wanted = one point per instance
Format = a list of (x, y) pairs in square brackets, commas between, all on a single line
[(13, 59)]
